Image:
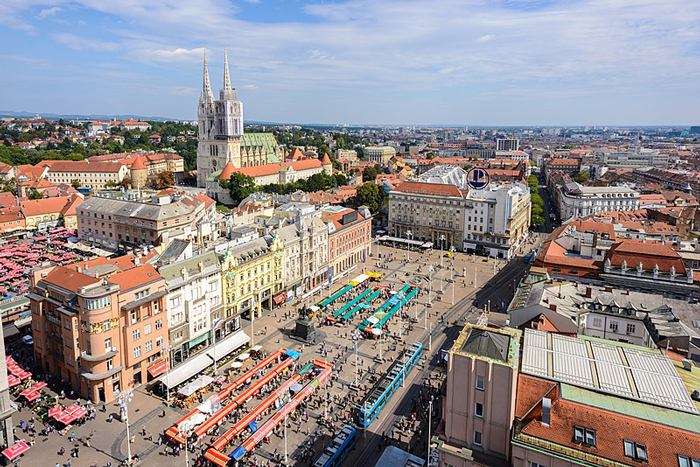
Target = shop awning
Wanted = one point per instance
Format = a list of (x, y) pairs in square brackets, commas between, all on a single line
[(187, 370), (203, 360), (16, 450), (359, 280), (229, 344), (280, 298), (199, 383), (157, 368)]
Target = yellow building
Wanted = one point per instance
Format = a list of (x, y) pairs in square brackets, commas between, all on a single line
[(46, 213), (252, 275)]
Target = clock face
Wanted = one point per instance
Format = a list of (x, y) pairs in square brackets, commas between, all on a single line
[(213, 163)]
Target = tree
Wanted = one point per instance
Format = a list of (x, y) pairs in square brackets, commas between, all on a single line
[(34, 194), (533, 183), (75, 183), (370, 195), (239, 186), (370, 173), (164, 179), (582, 177), (430, 156), (126, 182)]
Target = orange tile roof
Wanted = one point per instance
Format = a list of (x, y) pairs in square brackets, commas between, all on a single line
[(135, 277), (435, 189), (68, 278), (271, 169), (227, 172), (664, 443), (84, 166), (648, 253), (138, 163), (43, 206)]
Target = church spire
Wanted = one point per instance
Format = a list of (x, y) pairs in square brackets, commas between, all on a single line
[(227, 76), (207, 96)]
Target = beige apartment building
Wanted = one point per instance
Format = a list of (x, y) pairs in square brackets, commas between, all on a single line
[(111, 222), (429, 212), (99, 325), (379, 154), (479, 402), (93, 175)]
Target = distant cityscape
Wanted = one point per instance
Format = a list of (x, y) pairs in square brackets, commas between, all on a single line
[(237, 293)]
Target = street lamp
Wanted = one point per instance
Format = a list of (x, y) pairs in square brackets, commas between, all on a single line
[(124, 398), (186, 427), (409, 235)]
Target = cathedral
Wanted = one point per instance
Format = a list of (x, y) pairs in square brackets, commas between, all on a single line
[(221, 139)]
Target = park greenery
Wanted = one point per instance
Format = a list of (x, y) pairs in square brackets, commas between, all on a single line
[(537, 208)]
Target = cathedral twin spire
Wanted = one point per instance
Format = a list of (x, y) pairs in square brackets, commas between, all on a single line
[(207, 97)]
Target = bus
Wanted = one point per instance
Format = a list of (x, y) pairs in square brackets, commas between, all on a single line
[(335, 454)]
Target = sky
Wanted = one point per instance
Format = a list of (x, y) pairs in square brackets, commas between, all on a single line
[(467, 62)]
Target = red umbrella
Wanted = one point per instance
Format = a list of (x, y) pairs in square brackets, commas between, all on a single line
[(55, 411), (15, 450)]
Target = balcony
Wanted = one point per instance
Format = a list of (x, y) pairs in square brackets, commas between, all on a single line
[(96, 358), (107, 374)]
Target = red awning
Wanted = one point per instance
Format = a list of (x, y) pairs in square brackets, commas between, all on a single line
[(157, 368), (56, 410), (280, 298), (15, 450)]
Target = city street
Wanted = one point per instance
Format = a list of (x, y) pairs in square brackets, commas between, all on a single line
[(455, 299)]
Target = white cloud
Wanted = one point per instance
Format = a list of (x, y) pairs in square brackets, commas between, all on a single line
[(46, 12), (179, 54), (250, 86), (82, 43), (485, 38)]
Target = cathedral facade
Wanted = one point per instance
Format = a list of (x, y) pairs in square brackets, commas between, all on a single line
[(221, 139)]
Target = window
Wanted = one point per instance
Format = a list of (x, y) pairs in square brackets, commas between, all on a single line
[(684, 461), (147, 329), (159, 324), (477, 438), (149, 346), (108, 344), (535, 464), (597, 322), (105, 325), (133, 316), (479, 410), (630, 328), (635, 451), (137, 334), (613, 326), (137, 351), (110, 364)]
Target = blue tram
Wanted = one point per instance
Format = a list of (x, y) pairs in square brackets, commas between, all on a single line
[(382, 391), (341, 445)]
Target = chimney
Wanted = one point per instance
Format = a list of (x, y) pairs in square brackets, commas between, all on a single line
[(588, 292), (546, 411), (552, 307), (608, 289)]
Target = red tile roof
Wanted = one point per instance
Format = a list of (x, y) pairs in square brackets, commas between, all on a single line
[(663, 443), (227, 172), (138, 163), (135, 277), (68, 278), (271, 169), (435, 189), (84, 166), (43, 206), (648, 253)]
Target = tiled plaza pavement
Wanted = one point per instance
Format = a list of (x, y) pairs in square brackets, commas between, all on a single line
[(109, 440)]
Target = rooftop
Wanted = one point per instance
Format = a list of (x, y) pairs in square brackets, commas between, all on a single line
[(625, 370), (498, 345)]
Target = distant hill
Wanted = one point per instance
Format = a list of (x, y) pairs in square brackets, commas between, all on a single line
[(51, 116)]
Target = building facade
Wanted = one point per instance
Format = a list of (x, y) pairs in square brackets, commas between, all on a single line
[(194, 304), (349, 239), (7, 437), (100, 325), (94, 175), (576, 200), (112, 222), (379, 154), (252, 275)]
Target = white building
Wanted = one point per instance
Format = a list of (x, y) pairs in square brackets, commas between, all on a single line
[(507, 144), (305, 253), (496, 219), (194, 301), (576, 200), (634, 158)]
